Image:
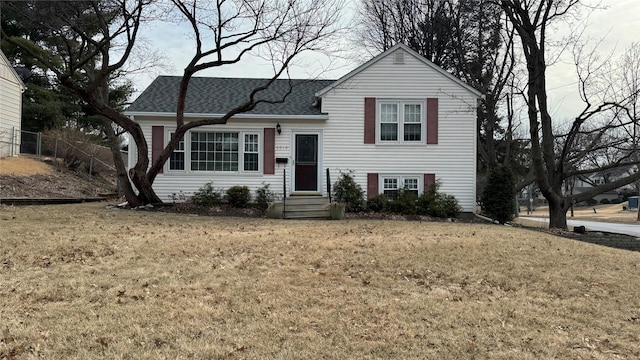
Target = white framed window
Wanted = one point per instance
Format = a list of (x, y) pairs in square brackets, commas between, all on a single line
[(251, 152), (391, 184), (389, 122), (390, 187), (226, 151), (177, 159), (401, 121), (214, 151), (411, 184)]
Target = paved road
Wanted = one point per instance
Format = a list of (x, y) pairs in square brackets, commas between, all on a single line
[(627, 229)]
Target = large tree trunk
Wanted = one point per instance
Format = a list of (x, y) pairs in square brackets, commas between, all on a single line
[(139, 175), (638, 193), (121, 170), (99, 99), (557, 215)]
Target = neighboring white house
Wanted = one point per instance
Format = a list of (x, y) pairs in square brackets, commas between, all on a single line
[(396, 121), (11, 88), (587, 182)]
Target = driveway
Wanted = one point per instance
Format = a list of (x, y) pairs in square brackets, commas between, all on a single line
[(627, 229)]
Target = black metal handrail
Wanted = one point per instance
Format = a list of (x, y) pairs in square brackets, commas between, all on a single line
[(329, 184), (284, 191)]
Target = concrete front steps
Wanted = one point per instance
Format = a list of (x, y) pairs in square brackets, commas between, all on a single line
[(307, 207)]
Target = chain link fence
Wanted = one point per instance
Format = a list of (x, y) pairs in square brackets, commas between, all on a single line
[(72, 149), (31, 142)]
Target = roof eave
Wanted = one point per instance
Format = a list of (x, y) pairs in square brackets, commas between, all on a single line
[(238, 116), (23, 87)]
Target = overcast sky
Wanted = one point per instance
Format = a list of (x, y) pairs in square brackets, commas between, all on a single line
[(612, 29)]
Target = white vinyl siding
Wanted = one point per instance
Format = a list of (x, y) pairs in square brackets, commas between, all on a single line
[(452, 160), (10, 109), (188, 181)]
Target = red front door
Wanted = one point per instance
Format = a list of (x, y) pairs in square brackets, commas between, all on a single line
[(306, 172)]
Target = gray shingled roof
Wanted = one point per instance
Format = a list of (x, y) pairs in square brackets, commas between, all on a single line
[(218, 95)]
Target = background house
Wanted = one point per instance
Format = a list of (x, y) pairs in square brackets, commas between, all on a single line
[(11, 88), (396, 121), (587, 182)]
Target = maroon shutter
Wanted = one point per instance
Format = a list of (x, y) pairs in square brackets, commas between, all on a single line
[(432, 121), (429, 179), (372, 185), (369, 120), (157, 143), (269, 151)]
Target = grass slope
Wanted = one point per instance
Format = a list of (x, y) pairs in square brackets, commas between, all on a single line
[(83, 282), (604, 212), (27, 177)]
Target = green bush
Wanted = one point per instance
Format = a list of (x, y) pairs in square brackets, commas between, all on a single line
[(264, 196), (444, 206), (592, 202), (206, 196), (238, 196), (348, 192), (437, 204), (605, 201), (427, 198), (404, 203), (377, 203), (498, 197)]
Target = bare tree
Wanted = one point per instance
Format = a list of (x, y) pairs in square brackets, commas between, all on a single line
[(84, 44), (281, 30), (423, 25), (629, 65), (621, 80), (224, 33), (558, 155)]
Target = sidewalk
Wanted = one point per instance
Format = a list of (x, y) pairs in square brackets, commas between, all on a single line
[(626, 229)]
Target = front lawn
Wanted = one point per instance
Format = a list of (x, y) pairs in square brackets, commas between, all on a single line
[(81, 281)]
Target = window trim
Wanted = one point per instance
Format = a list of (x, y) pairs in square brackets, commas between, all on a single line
[(400, 181), (167, 165), (400, 103), (258, 153)]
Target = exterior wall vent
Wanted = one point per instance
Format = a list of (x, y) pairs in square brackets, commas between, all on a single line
[(398, 57)]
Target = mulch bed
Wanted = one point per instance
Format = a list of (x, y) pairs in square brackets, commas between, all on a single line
[(618, 241)]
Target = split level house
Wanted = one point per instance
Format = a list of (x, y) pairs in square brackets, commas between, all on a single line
[(11, 89), (397, 121)]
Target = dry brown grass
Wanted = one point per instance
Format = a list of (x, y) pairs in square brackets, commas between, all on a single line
[(83, 282), (607, 213), (23, 165)]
